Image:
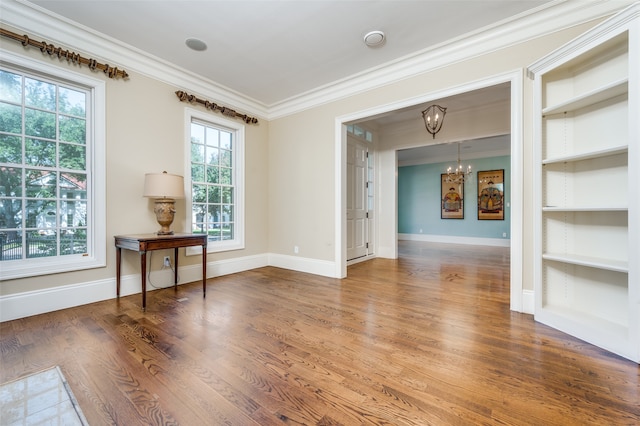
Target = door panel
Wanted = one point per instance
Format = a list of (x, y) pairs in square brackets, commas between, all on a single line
[(357, 212)]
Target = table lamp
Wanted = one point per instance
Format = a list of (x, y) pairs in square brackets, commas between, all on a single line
[(165, 188)]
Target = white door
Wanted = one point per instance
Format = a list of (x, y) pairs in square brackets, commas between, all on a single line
[(357, 199)]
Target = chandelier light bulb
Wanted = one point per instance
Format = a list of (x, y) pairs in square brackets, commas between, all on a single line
[(432, 118)]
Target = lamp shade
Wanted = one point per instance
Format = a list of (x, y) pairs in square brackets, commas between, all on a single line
[(163, 185)]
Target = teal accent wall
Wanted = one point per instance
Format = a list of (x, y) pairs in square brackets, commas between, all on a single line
[(419, 201)]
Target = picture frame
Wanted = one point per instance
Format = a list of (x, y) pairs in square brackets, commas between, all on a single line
[(451, 199), (491, 195)]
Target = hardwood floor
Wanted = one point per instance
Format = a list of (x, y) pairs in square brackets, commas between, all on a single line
[(427, 339)]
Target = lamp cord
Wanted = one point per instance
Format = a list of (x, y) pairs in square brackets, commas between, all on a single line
[(149, 274)]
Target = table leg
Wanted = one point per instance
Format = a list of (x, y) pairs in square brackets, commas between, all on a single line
[(143, 270), (175, 272), (204, 271), (118, 257)]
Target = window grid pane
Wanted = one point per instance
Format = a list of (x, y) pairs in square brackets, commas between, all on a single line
[(212, 181), (42, 204)]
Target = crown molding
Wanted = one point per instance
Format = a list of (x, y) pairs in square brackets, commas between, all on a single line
[(582, 43), (25, 16)]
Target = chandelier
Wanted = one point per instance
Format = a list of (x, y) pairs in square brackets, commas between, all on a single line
[(433, 117), (459, 174)]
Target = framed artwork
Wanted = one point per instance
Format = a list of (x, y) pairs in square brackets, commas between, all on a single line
[(491, 195), (451, 199)]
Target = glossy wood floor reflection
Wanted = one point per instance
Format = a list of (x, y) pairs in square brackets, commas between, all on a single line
[(424, 340)]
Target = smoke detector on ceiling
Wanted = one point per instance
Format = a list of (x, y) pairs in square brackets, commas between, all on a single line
[(374, 38)]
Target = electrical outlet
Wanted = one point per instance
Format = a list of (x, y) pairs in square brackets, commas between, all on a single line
[(296, 249), (167, 261)]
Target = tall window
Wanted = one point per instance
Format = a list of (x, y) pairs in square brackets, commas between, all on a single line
[(47, 180), (216, 170)]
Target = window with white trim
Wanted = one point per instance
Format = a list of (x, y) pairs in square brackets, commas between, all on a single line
[(216, 170), (51, 169)]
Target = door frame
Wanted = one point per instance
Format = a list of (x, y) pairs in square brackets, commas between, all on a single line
[(515, 78)]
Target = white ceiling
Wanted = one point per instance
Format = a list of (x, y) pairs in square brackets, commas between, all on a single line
[(448, 152), (471, 100), (274, 50)]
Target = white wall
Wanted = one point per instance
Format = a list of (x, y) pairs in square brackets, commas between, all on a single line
[(312, 133), (146, 133)]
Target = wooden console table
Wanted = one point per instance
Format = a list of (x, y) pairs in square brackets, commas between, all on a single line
[(142, 243)]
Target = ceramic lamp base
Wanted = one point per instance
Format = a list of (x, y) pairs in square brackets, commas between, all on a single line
[(165, 211)]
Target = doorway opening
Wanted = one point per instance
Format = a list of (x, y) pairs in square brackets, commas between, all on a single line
[(386, 168)]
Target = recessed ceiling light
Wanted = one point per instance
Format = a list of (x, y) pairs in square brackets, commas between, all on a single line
[(196, 44), (374, 38)]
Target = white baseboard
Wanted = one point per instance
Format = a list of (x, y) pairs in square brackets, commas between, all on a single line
[(528, 302), (302, 264), (496, 242), (30, 303), (387, 252)]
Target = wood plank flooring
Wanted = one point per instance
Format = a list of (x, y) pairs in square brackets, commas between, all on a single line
[(427, 339)]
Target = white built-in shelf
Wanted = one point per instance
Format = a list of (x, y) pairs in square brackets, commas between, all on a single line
[(588, 155), (585, 208), (587, 131), (600, 94), (593, 262)]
